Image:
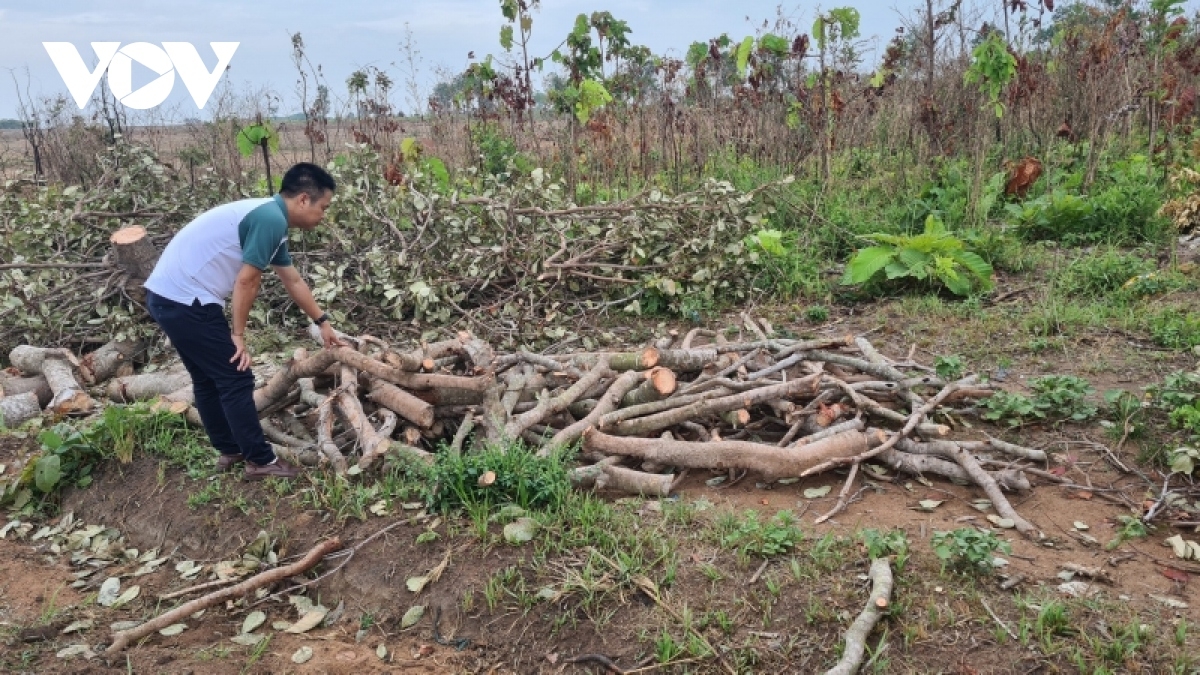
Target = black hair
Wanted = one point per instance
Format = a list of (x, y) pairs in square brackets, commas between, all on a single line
[(308, 178)]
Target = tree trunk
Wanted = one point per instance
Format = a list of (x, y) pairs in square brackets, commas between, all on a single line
[(136, 255)]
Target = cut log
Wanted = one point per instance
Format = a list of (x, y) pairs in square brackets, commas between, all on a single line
[(553, 405), (770, 461), (12, 386), (114, 359), (402, 403), (686, 360), (18, 409), (58, 367), (325, 445), (136, 255), (606, 404), (663, 420), (860, 630), (146, 386), (659, 384), (628, 481)]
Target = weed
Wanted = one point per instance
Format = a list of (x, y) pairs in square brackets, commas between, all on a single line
[(1131, 528), (1052, 621), (1175, 328), (816, 314), (1100, 274), (949, 367), (522, 478), (881, 545), (1057, 398), (968, 549), (750, 536)]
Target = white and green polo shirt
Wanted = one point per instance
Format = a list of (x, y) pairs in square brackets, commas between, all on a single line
[(203, 260)]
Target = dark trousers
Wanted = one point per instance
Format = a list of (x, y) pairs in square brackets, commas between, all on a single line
[(224, 395)]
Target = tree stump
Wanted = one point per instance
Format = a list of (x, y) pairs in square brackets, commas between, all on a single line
[(136, 255)]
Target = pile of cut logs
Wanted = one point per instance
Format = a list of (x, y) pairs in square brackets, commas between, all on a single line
[(775, 408)]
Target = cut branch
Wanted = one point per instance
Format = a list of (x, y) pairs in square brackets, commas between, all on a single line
[(856, 636), (123, 639)]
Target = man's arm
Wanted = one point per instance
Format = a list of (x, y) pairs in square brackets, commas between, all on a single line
[(300, 294), (245, 290)]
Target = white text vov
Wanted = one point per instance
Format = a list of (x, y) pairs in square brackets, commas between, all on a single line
[(117, 61)]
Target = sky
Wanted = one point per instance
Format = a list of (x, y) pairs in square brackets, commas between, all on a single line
[(353, 34)]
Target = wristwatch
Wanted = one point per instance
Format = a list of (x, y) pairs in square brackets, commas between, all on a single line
[(321, 319)]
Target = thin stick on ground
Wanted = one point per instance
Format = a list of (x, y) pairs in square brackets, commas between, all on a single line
[(123, 639), (841, 502), (856, 636), (196, 589), (348, 556)]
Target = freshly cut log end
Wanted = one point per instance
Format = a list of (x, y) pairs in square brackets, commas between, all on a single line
[(112, 360), (136, 255)]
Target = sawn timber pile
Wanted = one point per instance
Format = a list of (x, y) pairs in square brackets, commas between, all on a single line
[(774, 408)]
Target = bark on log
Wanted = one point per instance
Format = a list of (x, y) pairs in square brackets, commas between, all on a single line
[(670, 418), (606, 404), (629, 481), (122, 639), (554, 405), (918, 465), (984, 480), (856, 635), (620, 361), (58, 368), (146, 386), (686, 360), (325, 445), (136, 255), (659, 384), (18, 409), (13, 386), (770, 461), (374, 444), (112, 360), (402, 403)]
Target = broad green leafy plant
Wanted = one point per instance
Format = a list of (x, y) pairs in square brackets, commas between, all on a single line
[(934, 257), (968, 550), (992, 68)]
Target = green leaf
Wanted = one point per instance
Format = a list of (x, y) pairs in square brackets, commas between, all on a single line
[(1183, 463), (957, 283), (506, 37), (979, 267), (743, 55), (47, 473), (867, 263)]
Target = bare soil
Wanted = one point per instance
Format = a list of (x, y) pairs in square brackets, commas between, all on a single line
[(938, 622)]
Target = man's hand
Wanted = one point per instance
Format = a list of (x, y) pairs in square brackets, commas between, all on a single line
[(330, 338), (241, 357)]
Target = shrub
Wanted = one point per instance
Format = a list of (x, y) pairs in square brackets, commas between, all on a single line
[(934, 257), (1056, 398), (750, 536)]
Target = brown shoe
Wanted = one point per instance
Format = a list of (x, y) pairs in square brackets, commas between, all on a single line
[(228, 462), (280, 469)]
